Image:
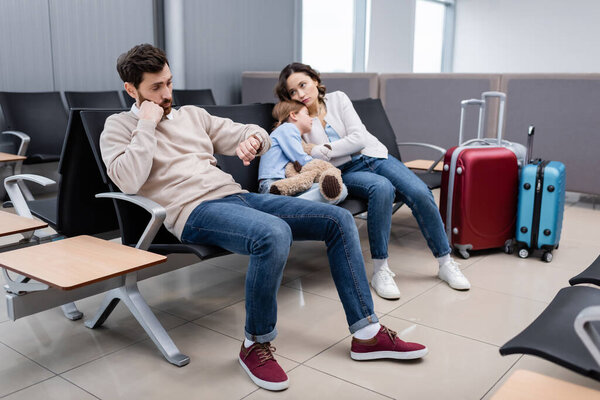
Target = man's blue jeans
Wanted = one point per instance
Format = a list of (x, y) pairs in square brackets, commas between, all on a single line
[(378, 180), (263, 226)]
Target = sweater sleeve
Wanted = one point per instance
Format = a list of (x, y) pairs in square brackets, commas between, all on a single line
[(128, 155), (226, 135), (290, 143), (356, 133)]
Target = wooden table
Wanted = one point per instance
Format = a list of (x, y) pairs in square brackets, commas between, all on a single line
[(527, 385), (423, 164), (7, 157), (75, 262), (12, 223)]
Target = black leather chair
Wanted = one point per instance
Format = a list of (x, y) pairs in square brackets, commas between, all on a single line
[(197, 97), (127, 99), (133, 219), (589, 275), (107, 99), (374, 117), (566, 333), (42, 117)]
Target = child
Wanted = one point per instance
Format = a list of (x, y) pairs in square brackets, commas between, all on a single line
[(286, 146)]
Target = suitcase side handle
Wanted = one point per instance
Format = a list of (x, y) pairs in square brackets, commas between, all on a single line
[(463, 106)]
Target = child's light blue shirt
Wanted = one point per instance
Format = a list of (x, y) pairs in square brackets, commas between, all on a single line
[(286, 146)]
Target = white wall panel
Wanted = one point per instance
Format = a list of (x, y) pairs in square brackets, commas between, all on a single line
[(527, 36)]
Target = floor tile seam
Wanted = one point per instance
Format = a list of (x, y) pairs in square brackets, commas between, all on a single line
[(350, 382), (415, 297), (29, 358), (201, 316), (219, 309), (76, 385), (155, 309), (220, 333), (511, 294), (312, 293), (135, 342), (324, 350), (449, 332), (28, 386), (502, 376)]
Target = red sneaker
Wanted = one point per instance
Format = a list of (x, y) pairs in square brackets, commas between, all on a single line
[(261, 366), (386, 344)]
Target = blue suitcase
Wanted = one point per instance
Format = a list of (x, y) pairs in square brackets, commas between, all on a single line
[(540, 206)]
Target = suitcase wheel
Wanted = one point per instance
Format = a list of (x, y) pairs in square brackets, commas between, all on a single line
[(464, 254), (509, 248), (523, 253), (547, 257)]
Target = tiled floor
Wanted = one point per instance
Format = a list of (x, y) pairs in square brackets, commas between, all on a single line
[(45, 356)]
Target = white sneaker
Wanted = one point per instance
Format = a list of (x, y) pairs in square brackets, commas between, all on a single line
[(450, 272), (384, 285)]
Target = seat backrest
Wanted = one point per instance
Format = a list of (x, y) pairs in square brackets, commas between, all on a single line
[(132, 220), (373, 116), (78, 210), (127, 98), (195, 97), (42, 116), (108, 99), (258, 114)]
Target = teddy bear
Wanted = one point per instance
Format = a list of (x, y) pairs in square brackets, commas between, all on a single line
[(300, 178)]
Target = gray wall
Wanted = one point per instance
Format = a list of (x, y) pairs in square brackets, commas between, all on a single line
[(226, 37), (68, 44), (49, 45)]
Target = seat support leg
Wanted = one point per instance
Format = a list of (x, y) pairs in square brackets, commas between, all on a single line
[(130, 295), (71, 312)]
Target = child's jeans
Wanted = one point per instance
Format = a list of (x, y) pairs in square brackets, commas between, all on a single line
[(313, 194)]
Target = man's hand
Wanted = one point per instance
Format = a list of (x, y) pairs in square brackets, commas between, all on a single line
[(247, 149), (151, 111)]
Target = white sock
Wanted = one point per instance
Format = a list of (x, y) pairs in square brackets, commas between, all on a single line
[(379, 264), (368, 331), (248, 343), (444, 259)]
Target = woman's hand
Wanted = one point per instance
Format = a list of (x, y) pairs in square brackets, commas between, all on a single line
[(321, 151)]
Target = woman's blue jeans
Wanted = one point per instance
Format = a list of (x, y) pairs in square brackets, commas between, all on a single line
[(378, 180), (263, 226)]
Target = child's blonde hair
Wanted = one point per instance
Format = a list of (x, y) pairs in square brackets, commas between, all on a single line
[(283, 109)]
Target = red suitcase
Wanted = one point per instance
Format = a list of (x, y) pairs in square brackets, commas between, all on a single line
[(478, 197)]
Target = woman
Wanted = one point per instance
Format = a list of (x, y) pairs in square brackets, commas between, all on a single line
[(370, 173)]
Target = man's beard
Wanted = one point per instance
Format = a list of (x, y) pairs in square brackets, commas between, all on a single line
[(166, 105)]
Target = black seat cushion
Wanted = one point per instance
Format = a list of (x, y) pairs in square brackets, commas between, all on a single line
[(552, 336), (589, 275)]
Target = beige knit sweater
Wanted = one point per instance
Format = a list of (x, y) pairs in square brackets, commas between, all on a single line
[(172, 162)]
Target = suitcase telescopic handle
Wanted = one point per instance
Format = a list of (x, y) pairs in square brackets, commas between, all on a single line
[(463, 106), (502, 97), (530, 133)]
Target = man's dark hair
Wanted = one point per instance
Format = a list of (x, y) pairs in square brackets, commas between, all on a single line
[(141, 58)]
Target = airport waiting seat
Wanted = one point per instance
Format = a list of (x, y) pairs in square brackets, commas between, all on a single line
[(567, 332), (107, 99), (589, 275), (42, 117), (196, 97), (127, 99)]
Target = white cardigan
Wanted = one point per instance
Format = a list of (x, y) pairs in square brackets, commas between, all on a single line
[(354, 137)]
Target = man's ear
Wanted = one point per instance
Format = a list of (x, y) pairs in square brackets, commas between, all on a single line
[(130, 89)]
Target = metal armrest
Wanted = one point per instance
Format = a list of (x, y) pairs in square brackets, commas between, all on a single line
[(13, 189), (158, 214), (24, 141), (587, 332), (439, 149)]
